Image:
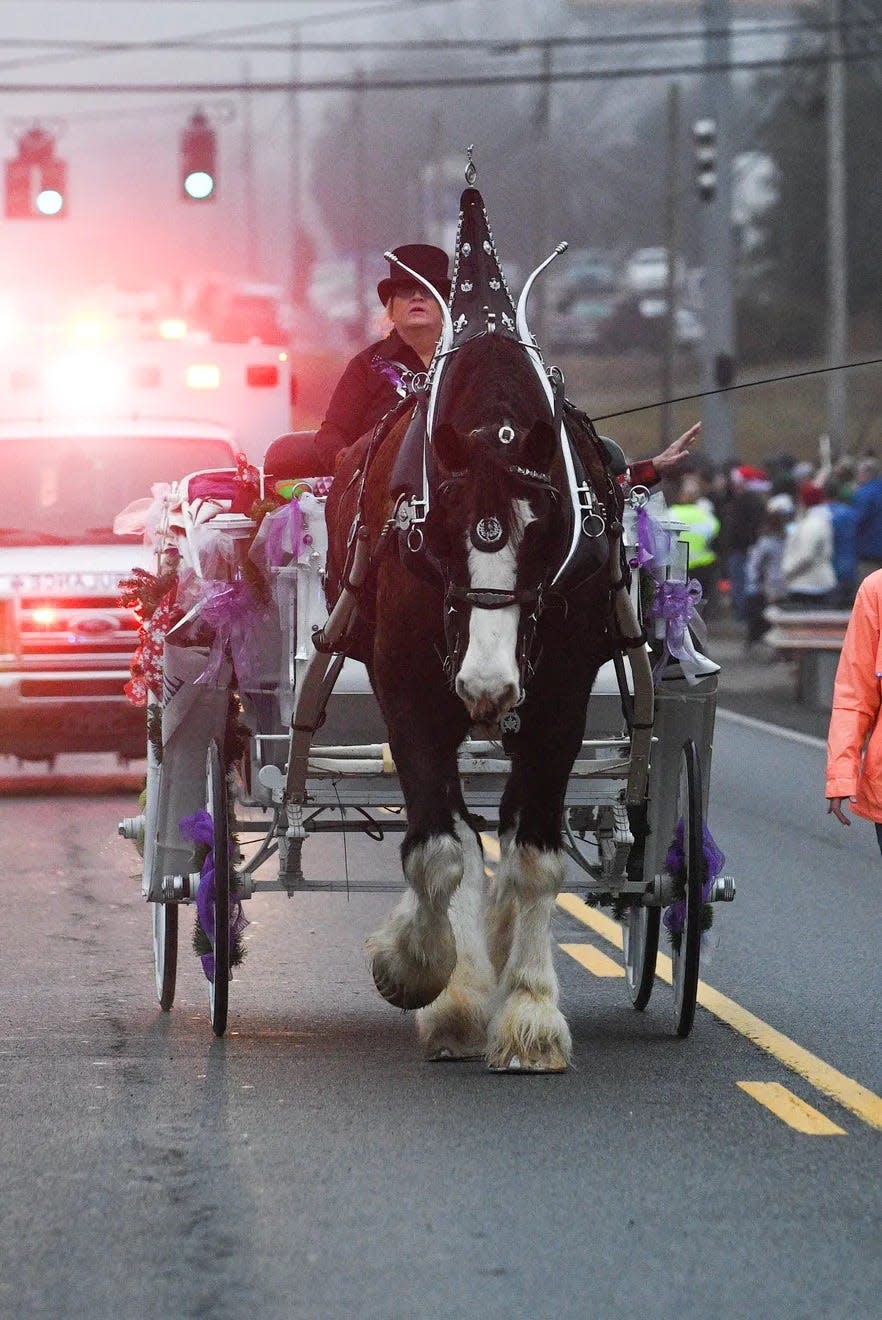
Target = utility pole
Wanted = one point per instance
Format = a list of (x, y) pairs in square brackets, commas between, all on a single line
[(718, 416), (540, 191), (295, 179), (837, 259), (360, 199), (248, 179), (672, 240)]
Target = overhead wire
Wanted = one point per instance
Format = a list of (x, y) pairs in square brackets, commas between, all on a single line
[(428, 82), (743, 385), (215, 39)]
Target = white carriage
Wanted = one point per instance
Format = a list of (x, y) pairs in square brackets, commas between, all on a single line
[(266, 740)]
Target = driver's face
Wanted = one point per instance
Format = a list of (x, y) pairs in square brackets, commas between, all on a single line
[(413, 308)]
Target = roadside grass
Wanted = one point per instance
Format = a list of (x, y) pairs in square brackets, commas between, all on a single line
[(787, 416)]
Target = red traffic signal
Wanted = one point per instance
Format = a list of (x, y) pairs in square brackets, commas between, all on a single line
[(36, 180), (198, 160)]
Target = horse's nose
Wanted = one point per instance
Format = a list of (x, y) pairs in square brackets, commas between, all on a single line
[(487, 703)]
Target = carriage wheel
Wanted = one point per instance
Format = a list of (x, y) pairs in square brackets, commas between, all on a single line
[(165, 952), (639, 947), (685, 959), (217, 807)]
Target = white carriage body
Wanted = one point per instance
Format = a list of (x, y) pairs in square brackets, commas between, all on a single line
[(350, 763)]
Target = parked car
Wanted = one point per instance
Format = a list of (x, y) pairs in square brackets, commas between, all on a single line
[(647, 270), (638, 323), (580, 323)]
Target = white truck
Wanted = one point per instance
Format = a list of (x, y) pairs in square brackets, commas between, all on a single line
[(82, 435)]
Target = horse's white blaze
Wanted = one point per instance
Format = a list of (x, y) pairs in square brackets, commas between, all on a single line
[(489, 680)]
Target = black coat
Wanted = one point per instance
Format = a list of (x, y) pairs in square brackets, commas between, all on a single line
[(368, 388)]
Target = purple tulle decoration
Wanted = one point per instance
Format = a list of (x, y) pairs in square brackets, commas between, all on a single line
[(653, 542), (231, 610), (199, 829), (275, 551), (675, 861), (677, 603)]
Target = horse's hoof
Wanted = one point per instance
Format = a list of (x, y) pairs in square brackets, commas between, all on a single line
[(406, 975), (407, 997), (529, 1035), (455, 1026), (518, 1065), (446, 1055)]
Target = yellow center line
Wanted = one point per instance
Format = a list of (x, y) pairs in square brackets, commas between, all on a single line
[(491, 847), (826, 1079), (593, 960), (791, 1109)]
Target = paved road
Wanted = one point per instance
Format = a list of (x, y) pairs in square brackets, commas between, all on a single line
[(310, 1165)]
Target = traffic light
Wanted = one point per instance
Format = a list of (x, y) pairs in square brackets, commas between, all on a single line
[(704, 132), (198, 160), (36, 180)]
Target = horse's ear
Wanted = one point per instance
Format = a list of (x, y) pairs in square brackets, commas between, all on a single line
[(539, 446), (450, 447)]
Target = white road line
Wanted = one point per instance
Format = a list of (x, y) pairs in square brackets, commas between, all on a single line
[(763, 726)]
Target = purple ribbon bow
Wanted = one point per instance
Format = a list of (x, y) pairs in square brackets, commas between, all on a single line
[(676, 603), (230, 609), (199, 829), (675, 915)]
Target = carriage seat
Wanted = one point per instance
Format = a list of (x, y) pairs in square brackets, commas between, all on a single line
[(295, 454), (618, 463)]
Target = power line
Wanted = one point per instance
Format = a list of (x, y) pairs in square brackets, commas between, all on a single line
[(745, 385), (95, 50), (425, 82), (502, 45)]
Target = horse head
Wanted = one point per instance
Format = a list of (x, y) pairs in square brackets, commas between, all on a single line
[(496, 531)]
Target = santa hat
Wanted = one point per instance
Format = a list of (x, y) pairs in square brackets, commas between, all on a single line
[(810, 495), (751, 478)]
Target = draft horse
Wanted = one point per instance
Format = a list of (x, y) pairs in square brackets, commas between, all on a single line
[(464, 629)]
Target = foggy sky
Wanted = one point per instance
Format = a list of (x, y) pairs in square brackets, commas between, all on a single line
[(126, 221)]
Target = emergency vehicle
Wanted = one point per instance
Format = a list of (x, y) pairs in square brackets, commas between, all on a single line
[(85, 431)]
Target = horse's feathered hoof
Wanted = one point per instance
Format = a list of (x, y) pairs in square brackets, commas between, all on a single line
[(446, 1055), (528, 1035), (518, 1065), (415, 994), (408, 971)]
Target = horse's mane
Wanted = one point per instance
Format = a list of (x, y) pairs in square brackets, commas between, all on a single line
[(491, 372)]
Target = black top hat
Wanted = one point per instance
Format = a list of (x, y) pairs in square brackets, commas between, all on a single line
[(428, 261)]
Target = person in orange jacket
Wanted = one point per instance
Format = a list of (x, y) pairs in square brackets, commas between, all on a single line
[(854, 740)]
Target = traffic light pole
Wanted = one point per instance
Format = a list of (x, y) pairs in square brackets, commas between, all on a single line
[(718, 432), (837, 252)]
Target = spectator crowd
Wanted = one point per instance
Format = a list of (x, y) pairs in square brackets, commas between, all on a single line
[(790, 534)]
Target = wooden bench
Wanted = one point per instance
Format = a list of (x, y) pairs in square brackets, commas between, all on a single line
[(813, 638)]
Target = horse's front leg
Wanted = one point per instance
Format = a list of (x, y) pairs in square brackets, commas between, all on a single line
[(528, 1032), (455, 1025), (413, 954)]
